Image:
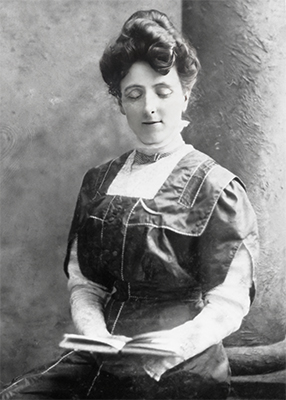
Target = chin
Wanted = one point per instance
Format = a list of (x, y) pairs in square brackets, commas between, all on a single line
[(152, 140)]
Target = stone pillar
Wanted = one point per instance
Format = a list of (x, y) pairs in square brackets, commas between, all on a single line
[(238, 118)]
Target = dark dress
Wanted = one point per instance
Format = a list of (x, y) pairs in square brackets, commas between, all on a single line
[(158, 257)]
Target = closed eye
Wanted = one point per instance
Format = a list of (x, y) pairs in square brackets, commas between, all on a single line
[(163, 92), (134, 94)]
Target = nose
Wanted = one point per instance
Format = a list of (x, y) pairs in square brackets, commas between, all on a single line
[(150, 106)]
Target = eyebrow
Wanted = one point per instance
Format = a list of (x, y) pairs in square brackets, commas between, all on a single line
[(137, 86)]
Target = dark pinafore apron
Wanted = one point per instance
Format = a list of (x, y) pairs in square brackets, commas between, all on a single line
[(158, 257)]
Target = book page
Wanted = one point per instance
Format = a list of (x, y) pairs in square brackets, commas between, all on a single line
[(85, 343)]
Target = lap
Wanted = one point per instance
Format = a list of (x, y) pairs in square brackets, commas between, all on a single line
[(77, 375)]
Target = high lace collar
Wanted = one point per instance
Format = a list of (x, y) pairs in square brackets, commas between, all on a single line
[(142, 158)]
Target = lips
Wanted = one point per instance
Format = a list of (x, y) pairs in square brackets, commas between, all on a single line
[(151, 122)]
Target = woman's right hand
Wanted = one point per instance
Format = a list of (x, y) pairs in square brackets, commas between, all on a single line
[(123, 338)]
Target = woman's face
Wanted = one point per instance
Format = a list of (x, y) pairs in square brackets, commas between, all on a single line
[(153, 103)]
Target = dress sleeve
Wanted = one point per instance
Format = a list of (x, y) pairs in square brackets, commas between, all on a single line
[(231, 223)]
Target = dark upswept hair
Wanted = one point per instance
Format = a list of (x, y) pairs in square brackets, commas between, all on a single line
[(149, 36)]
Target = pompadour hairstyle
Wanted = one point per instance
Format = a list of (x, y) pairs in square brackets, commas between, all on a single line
[(149, 36)]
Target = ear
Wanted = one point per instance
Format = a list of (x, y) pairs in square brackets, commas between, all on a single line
[(121, 107), (187, 95)]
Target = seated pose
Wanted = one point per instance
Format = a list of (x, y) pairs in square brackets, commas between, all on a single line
[(163, 241)]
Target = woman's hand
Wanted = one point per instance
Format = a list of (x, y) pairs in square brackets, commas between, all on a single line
[(167, 340), (123, 338), (156, 366)]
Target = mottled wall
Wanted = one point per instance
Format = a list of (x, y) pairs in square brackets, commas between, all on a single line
[(239, 119), (56, 122)]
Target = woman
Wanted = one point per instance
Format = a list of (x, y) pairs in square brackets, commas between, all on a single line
[(163, 239)]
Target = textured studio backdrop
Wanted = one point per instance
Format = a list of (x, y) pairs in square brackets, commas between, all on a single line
[(57, 121)]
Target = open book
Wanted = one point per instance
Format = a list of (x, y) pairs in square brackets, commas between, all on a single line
[(140, 344)]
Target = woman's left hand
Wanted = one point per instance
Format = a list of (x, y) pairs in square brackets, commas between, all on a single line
[(156, 366)]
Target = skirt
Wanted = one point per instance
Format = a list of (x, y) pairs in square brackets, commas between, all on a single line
[(79, 375)]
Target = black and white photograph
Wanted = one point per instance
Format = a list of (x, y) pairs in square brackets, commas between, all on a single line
[(143, 222)]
